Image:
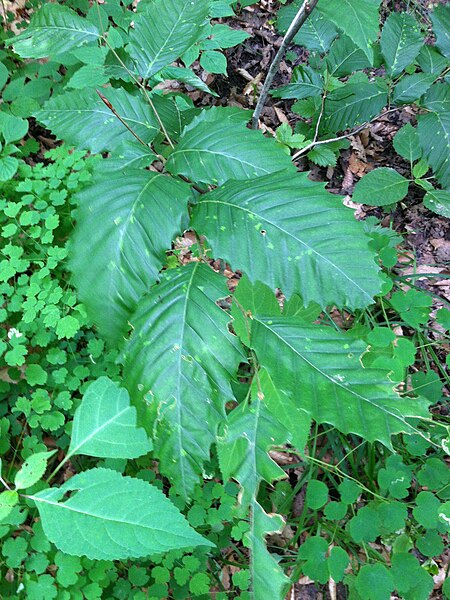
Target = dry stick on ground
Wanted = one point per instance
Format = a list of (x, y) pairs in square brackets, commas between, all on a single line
[(301, 16)]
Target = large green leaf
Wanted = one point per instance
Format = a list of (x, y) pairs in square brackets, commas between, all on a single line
[(53, 29), (163, 31), (406, 143), (129, 155), (440, 18), (81, 118), (401, 41), (181, 358), (411, 87), (250, 299), (126, 222), (345, 58), (380, 187), (214, 148), (251, 432), (289, 232), (434, 136), (105, 424), (357, 19), (437, 99), (268, 578), (430, 60), (353, 104), (305, 83), (320, 367), (111, 517), (243, 455), (438, 201), (316, 33), (173, 113)]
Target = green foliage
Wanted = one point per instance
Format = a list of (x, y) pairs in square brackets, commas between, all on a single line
[(381, 186), (328, 362), (358, 20), (105, 425), (330, 105), (239, 221), (171, 338), (48, 33), (98, 129), (400, 42), (158, 527), (234, 152), (32, 470), (163, 31), (129, 247), (200, 383)]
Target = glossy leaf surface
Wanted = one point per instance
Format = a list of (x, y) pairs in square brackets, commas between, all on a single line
[(133, 516), (321, 368), (125, 224), (163, 31), (215, 147), (293, 217), (105, 424), (181, 359)]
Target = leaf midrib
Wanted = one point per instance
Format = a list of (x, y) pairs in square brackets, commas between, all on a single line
[(119, 250), (97, 112), (334, 381), (59, 28), (221, 153), (168, 38), (178, 399), (64, 506), (324, 258)]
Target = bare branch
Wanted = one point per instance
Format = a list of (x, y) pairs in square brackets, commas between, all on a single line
[(304, 11), (341, 137)]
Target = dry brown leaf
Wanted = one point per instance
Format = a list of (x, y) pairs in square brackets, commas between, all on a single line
[(357, 166), (281, 116), (360, 213)]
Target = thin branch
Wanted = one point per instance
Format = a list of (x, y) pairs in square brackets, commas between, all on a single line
[(116, 114), (143, 89), (341, 137), (135, 79), (301, 16), (3, 482), (319, 120)]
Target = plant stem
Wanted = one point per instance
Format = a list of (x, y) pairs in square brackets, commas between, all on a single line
[(59, 467), (116, 114), (140, 85), (3, 482), (341, 137), (304, 11)]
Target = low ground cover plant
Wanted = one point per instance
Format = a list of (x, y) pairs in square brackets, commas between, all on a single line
[(166, 433)]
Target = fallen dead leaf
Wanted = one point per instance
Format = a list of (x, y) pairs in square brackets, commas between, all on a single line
[(281, 116)]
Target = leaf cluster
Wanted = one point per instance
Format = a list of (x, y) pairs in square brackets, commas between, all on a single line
[(187, 369)]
